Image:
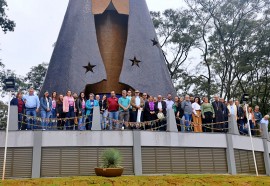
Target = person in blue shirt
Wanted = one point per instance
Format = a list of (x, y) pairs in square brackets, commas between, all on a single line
[(45, 110), (32, 105), (90, 104), (124, 105)]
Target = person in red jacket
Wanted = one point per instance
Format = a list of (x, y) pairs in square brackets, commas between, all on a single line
[(113, 108), (21, 107)]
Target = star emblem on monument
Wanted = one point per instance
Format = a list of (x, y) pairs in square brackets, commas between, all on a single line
[(155, 42), (89, 68), (135, 61)]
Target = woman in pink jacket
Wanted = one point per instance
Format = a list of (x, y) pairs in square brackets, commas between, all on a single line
[(69, 109)]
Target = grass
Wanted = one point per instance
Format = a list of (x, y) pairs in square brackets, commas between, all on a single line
[(170, 180)]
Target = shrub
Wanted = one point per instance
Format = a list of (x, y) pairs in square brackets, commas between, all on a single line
[(111, 158)]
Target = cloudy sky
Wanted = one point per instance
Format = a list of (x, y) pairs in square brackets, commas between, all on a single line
[(37, 26)]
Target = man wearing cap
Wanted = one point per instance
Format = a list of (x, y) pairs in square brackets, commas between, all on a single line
[(32, 107), (137, 104)]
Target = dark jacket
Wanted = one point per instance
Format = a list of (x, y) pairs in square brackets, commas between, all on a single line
[(15, 102), (103, 105), (43, 104), (240, 112), (163, 107), (59, 108), (179, 109), (147, 115), (78, 105)]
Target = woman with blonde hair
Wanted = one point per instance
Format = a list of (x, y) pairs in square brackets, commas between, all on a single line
[(251, 119)]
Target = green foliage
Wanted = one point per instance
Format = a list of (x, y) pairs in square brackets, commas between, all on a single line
[(35, 77), (111, 158), (3, 115), (231, 37), (168, 180), (5, 23), (177, 36)]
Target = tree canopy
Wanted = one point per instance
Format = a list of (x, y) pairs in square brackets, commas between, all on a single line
[(5, 23), (231, 39)]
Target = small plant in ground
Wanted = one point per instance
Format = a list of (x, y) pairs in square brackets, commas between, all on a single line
[(111, 158)]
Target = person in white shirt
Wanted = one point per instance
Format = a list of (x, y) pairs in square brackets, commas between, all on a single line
[(169, 102), (197, 115), (232, 109), (264, 121)]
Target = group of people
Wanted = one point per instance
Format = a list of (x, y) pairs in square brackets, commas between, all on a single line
[(75, 112)]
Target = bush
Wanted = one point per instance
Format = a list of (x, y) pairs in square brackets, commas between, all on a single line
[(111, 158)]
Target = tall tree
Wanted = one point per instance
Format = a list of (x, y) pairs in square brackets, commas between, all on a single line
[(5, 23), (35, 77), (177, 36)]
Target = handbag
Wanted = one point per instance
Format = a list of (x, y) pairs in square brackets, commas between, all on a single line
[(160, 115)]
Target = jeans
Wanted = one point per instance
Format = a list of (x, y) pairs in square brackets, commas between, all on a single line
[(45, 119), (103, 119), (241, 123), (187, 121), (31, 123), (90, 120), (252, 127), (53, 122), (81, 123), (70, 122), (112, 116), (123, 117), (20, 120)]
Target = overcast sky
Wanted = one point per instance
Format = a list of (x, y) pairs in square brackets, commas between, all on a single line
[(38, 24)]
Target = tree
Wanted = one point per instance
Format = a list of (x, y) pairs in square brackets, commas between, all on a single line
[(3, 115), (35, 77), (5, 23), (177, 36)]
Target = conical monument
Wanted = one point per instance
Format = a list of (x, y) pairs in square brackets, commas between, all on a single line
[(107, 45)]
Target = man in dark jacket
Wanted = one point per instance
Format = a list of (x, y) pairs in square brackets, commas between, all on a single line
[(17, 101), (240, 118), (219, 109), (160, 108)]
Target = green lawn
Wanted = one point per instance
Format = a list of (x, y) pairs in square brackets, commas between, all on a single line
[(185, 180)]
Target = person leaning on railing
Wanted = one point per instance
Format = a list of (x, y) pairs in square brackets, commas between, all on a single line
[(208, 114), (17, 101)]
